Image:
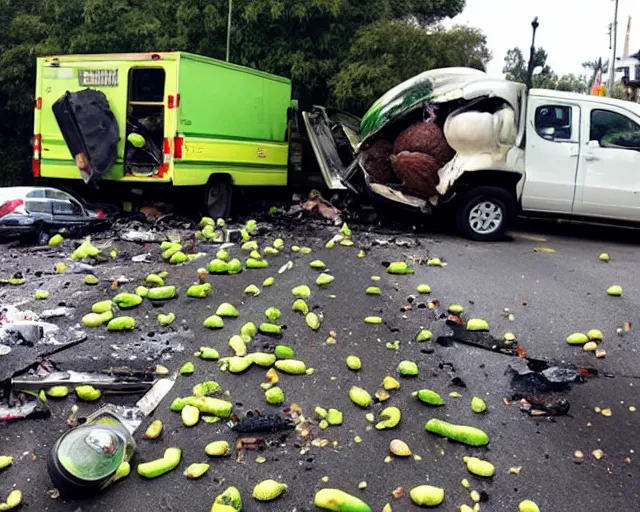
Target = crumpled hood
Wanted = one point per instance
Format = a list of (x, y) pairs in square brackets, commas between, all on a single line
[(437, 86)]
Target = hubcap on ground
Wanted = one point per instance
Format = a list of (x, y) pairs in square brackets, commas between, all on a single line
[(485, 218)]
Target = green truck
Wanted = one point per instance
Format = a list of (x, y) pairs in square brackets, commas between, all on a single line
[(176, 119)]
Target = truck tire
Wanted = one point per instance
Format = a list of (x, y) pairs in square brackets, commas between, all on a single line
[(484, 213), (217, 197)]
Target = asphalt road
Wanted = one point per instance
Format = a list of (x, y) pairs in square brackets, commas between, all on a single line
[(564, 292)]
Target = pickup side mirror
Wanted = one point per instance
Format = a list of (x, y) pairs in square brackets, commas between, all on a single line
[(593, 144)]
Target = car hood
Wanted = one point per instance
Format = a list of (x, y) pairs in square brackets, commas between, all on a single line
[(436, 86)]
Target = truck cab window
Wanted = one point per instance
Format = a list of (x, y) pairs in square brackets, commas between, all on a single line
[(613, 130), (553, 122)]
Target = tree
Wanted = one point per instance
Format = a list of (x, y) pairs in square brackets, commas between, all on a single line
[(516, 69), (595, 66), (387, 53)]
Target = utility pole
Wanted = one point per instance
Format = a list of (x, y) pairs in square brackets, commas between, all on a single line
[(612, 66), (229, 30)]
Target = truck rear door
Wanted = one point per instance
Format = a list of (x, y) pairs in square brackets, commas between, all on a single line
[(552, 151), (609, 172), (85, 109)]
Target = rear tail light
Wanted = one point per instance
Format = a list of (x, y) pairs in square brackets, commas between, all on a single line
[(179, 143), (10, 206), (37, 152), (166, 151), (100, 214)]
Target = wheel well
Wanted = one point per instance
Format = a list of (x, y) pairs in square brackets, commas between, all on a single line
[(507, 180), (222, 176)]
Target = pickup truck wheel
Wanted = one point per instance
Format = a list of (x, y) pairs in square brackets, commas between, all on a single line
[(217, 197), (484, 213)]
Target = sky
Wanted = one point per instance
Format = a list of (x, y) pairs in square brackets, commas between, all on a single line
[(571, 31)]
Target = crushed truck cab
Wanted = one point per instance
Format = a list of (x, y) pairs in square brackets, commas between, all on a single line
[(172, 118)]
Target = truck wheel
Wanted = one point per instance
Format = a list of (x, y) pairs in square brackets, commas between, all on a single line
[(217, 197), (484, 213)]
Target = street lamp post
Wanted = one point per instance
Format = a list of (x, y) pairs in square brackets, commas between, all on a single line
[(229, 30), (534, 26)]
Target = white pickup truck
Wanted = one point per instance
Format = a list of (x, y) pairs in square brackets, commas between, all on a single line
[(512, 151)]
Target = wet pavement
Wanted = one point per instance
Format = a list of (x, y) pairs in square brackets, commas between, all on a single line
[(550, 295)]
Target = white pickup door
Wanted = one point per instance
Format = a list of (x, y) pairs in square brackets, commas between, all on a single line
[(582, 158), (553, 148), (608, 184)]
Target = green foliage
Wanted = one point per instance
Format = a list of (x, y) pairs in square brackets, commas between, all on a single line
[(516, 68), (387, 53), (336, 51)]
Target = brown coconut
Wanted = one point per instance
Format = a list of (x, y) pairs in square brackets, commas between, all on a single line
[(418, 173), (377, 161), (425, 137)]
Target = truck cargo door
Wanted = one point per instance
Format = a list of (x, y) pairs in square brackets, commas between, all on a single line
[(90, 131)]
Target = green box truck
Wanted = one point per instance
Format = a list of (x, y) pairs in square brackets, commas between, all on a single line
[(161, 118)]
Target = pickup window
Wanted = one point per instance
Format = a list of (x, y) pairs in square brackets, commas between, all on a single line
[(613, 130), (553, 122)]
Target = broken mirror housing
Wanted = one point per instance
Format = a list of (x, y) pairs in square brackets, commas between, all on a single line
[(85, 460)]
